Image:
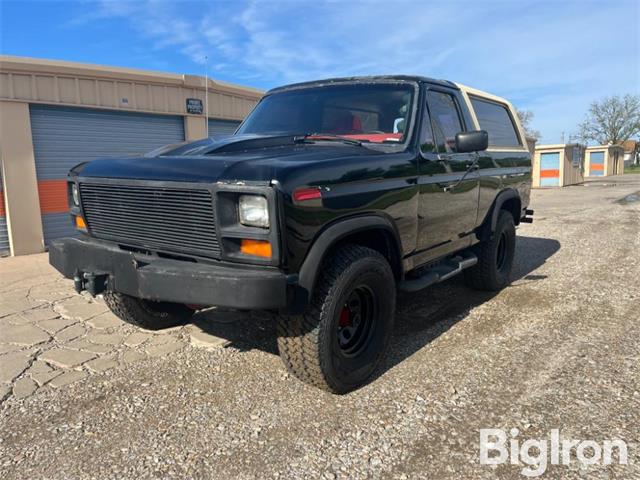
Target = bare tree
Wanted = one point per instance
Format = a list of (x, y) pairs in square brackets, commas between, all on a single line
[(612, 120), (526, 117)]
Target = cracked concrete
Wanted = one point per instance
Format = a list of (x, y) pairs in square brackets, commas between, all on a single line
[(24, 335), (51, 337), (13, 364), (66, 358)]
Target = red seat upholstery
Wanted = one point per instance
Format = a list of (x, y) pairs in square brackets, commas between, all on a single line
[(347, 123)]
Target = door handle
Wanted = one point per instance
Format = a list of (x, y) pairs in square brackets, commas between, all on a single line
[(472, 165), (447, 186)]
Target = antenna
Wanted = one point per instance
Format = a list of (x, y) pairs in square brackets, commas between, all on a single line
[(206, 95)]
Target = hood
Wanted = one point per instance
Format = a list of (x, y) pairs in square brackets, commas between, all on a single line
[(237, 157)]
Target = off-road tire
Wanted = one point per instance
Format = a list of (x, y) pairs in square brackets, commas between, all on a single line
[(493, 270), (146, 313), (309, 344)]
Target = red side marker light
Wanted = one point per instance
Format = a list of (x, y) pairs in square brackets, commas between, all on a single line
[(304, 194)]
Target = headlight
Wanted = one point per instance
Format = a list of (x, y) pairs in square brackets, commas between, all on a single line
[(254, 211), (75, 194)]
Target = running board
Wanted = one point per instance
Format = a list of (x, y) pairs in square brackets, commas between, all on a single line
[(440, 272)]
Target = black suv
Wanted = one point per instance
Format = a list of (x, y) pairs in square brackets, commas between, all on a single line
[(330, 197)]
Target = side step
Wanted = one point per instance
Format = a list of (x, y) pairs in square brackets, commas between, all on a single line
[(440, 272)]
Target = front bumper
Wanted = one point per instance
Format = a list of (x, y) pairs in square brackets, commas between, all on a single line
[(99, 266)]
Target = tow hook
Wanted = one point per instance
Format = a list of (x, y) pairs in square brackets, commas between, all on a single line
[(526, 218), (94, 283), (78, 284)]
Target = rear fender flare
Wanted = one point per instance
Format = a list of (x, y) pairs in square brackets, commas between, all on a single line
[(488, 226)]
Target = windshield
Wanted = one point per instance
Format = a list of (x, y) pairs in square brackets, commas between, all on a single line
[(375, 112)]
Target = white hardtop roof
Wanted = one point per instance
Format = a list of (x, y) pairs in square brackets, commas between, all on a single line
[(480, 93)]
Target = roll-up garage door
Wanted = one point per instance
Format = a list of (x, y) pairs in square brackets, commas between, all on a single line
[(550, 169), (4, 236), (596, 164), (64, 137), (222, 127)]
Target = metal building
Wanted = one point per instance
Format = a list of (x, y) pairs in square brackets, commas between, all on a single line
[(604, 160), (558, 165), (54, 115)]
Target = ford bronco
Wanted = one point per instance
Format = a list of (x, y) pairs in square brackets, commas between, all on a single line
[(330, 197)]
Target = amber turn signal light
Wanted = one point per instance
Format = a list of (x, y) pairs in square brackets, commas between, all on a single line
[(80, 223), (257, 248)]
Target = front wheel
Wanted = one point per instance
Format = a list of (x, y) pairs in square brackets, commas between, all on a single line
[(495, 257), (339, 342), (147, 313)]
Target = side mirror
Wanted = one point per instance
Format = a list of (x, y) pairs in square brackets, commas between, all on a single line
[(472, 141)]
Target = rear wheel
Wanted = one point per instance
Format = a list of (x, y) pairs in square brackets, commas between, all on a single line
[(147, 313), (338, 344), (495, 257)]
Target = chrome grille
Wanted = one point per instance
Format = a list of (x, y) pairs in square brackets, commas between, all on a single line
[(158, 218)]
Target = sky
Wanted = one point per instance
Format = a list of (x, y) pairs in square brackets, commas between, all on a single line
[(551, 57)]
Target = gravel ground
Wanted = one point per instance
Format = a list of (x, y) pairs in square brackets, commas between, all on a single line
[(558, 349)]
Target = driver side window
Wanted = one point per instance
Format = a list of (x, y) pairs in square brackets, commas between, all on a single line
[(445, 119)]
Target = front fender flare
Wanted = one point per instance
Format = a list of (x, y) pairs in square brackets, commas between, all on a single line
[(329, 237)]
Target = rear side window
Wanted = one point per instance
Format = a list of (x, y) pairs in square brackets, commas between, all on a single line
[(495, 119)]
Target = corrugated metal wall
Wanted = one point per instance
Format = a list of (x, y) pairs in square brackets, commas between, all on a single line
[(4, 236), (222, 127), (66, 136)]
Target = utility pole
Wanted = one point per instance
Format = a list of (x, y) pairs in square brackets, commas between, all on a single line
[(206, 94)]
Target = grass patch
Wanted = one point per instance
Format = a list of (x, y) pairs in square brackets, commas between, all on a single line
[(632, 169)]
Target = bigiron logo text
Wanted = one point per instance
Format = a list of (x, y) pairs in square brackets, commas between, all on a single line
[(497, 448)]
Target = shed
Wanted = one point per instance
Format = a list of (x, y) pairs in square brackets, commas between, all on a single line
[(604, 160), (558, 165)]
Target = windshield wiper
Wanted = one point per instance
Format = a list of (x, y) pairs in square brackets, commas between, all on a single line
[(326, 137)]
